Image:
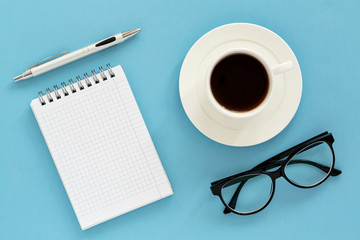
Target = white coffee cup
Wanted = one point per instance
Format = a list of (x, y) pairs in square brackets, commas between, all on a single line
[(233, 119)]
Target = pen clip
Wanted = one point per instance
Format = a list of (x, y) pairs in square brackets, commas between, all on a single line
[(45, 59)]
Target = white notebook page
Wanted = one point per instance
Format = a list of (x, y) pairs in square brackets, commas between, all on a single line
[(102, 149)]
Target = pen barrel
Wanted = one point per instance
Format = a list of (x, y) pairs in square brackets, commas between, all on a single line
[(70, 57), (58, 62)]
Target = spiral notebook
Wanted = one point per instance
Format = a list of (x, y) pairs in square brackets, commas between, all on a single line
[(100, 146)]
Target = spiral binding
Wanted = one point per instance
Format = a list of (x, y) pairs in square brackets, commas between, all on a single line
[(56, 91), (55, 94)]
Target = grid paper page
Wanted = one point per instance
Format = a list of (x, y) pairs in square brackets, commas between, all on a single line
[(102, 149)]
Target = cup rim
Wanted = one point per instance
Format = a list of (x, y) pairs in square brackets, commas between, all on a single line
[(231, 113)]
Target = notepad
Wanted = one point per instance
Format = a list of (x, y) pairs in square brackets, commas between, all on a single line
[(100, 146)]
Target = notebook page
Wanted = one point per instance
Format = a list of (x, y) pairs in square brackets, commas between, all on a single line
[(102, 150)]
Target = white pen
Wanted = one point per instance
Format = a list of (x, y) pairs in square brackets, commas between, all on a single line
[(66, 57)]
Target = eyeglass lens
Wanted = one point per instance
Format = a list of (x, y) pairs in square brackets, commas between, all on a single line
[(305, 167), (247, 193)]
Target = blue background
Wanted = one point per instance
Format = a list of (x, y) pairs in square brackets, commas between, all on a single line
[(324, 36)]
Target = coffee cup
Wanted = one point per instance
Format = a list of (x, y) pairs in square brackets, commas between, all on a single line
[(239, 86)]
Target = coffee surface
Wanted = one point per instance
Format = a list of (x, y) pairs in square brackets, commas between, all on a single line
[(239, 82)]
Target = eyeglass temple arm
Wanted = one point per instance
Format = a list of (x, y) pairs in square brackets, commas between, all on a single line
[(290, 150), (234, 198), (276, 163), (277, 157), (334, 172), (232, 202)]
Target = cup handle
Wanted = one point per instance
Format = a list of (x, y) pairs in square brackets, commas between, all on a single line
[(283, 67)]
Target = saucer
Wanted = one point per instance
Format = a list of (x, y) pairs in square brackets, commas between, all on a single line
[(274, 49)]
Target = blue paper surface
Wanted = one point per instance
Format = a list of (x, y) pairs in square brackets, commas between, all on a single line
[(324, 36)]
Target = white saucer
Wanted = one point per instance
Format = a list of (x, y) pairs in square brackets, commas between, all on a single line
[(275, 51)]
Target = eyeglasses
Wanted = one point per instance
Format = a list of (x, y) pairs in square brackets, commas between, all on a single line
[(305, 165)]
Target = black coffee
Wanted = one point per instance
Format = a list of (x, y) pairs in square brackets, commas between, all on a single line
[(239, 82)]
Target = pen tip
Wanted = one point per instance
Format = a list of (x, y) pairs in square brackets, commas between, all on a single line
[(130, 33), (17, 78), (25, 75)]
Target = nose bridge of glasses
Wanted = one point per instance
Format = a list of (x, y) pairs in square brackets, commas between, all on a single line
[(276, 174)]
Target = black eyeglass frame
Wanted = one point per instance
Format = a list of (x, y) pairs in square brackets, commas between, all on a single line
[(273, 162)]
